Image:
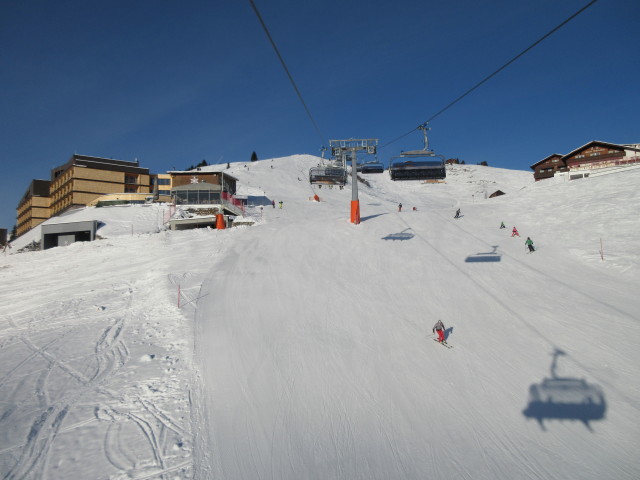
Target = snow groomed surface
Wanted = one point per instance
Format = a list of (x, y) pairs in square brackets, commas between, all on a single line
[(316, 347), (303, 345)]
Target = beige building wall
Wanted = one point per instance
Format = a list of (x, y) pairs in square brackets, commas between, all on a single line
[(82, 185), (31, 213)]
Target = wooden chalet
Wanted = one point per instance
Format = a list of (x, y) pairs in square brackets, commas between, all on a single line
[(547, 167), (590, 156), (597, 154)]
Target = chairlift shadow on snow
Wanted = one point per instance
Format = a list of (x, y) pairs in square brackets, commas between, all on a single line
[(564, 398), (369, 217), (403, 235), (258, 201), (484, 257)]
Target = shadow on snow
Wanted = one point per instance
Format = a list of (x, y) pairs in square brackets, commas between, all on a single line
[(403, 235), (369, 217), (482, 257), (559, 398)]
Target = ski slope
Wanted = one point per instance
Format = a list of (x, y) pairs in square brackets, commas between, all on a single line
[(302, 346), (317, 352)]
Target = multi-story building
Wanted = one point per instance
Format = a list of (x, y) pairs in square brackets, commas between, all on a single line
[(547, 167), (34, 207), (83, 179), (590, 156), (161, 184)]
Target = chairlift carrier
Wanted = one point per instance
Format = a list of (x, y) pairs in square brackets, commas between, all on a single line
[(331, 172), (422, 164)]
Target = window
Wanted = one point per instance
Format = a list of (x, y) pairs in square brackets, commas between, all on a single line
[(580, 156), (130, 189), (555, 160), (595, 154), (130, 179), (164, 181)]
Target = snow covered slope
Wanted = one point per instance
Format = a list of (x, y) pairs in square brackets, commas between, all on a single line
[(113, 221), (312, 342)]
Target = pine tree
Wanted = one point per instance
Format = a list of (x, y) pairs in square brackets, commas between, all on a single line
[(254, 157)]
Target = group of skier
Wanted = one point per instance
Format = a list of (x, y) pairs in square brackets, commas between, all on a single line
[(514, 233), (415, 209)]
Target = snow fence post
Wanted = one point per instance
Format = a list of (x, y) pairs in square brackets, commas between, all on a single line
[(601, 250), (179, 295)]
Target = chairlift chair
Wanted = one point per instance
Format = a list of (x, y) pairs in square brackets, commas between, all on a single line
[(418, 164), (328, 176), (372, 167)]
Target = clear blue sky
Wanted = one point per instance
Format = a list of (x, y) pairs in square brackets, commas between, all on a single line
[(175, 82)]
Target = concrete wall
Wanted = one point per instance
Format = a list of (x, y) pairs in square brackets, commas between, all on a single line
[(62, 234)]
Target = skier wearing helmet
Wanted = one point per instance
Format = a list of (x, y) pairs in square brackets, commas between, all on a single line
[(439, 327)]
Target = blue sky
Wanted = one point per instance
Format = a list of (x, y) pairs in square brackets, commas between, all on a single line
[(172, 83)]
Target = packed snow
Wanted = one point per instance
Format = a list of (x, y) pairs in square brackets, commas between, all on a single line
[(302, 348)]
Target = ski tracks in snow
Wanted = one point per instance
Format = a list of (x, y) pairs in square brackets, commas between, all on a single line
[(110, 354), (73, 376)]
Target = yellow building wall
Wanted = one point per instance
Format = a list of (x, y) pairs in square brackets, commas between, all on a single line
[(97, 187), (94, 174)]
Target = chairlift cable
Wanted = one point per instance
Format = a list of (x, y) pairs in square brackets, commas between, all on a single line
[(286, 69), (481, 82)]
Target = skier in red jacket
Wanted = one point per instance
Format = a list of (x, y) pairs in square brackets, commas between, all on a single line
[(514, 232)]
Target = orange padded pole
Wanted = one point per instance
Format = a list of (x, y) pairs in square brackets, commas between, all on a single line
[(220, 225), (355, 211)]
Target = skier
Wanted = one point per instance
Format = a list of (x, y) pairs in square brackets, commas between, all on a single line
[(415, 209), (439, 327), (529, 243), (273, 203), (502, 225), (400, 207), (457, 214), (280, 204), (514, 232)]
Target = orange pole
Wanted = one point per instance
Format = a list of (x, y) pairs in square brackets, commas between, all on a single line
[(220, 225), (355, 211)]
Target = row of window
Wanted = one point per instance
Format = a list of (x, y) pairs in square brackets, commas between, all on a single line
[(197, 197)]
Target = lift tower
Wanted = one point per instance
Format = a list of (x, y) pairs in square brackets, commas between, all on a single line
[(348, 149)]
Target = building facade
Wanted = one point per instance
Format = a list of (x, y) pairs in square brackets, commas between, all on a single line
[(161, 184), (224, 180), (547, 167), (83, 179), (591, 156), (598, 154), (34, 207)]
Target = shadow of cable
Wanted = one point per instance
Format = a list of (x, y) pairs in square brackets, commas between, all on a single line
[(403, 235), (566, 398), (482, 257)]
